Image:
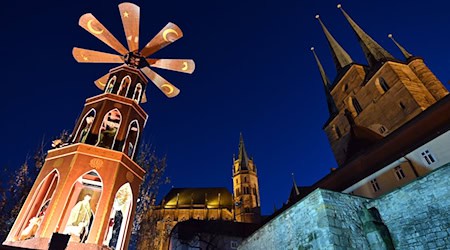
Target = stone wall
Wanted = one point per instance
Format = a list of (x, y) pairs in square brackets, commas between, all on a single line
[(415, 216), (322, 220), (418, 214)]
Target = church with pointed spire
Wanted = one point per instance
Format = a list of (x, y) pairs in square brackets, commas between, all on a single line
[(369, 101), (388, 129), (237, 210)]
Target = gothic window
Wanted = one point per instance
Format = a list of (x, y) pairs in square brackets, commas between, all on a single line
[(108, 130), (428, 157), (381, 85), (399, 172), (85, 127), (137, 93), (238, 191), (402, 106), (37, 209), (337, 131), (131, 139), (345, 88), (119, 217), (384, 84), (356, 106), (81, 206), (245, 178), (254, 191), (111, 84), (375, 185), (124, 86)]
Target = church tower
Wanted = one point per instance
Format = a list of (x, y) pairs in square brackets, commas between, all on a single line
[(246, 188), (368, 102), (88, 186)]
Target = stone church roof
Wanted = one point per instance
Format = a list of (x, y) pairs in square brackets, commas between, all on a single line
[(212, 197)]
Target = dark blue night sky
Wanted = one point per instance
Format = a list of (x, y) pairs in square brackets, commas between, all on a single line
[(254, 74)]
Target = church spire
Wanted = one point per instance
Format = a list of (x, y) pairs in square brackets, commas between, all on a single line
[(405, 53), (243, 158), (372, 50), (326, 85), (297, 192), (340, 57)]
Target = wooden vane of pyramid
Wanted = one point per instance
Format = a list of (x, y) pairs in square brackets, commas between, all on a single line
[(130, 14)]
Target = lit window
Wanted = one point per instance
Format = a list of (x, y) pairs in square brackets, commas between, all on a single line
[(375, 185), (399, 172), (428, 157), (233, 244)]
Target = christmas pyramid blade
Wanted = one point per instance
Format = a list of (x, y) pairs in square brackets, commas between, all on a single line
[(92, 56), (169, 34), (93, 26), (130, 14), (180, 65), (101, 82), (144, 98), (166, 87)]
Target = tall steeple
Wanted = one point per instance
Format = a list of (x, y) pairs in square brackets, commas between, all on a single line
[(246, 187), (243, 157), (372, 50), (340, 57), (326, 85), (405, 53), (297, 192)]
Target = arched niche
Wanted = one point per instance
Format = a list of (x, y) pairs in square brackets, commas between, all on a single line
[(85, 126), (131, 139), (120, 218), (37, 209), (124, 86), (110, 86), (381, 85), (108, 130), (354, 106), (81, 206), (137, 93)]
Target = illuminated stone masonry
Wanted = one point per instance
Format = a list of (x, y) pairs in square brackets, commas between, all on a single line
[(414, 216)]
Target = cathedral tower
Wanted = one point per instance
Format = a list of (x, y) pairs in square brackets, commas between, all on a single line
[(246, 188), (373, 100)]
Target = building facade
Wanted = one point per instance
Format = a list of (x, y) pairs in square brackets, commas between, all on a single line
[(389, 132), (370, 102)]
